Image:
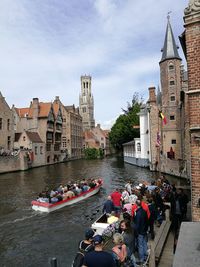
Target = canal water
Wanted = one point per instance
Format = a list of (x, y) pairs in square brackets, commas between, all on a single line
[(30, 238)]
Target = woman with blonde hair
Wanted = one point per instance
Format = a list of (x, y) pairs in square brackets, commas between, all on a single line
[(119, 250)]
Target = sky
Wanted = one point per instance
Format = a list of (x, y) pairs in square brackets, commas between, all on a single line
[(46, 45)]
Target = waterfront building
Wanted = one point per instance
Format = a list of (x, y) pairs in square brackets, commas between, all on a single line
[(86, 103), (72, 131), (97, 138), (172, 157), (164, 120), (136, 152), (191, 38), (6, 126), (33, 146), (46, 120)]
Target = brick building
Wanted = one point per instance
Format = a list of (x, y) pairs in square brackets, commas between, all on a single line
[(192, 42), (97, 138), (6, 125), (72, 131), (46, 120)]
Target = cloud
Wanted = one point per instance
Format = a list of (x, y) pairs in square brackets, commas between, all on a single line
[(47, 45)]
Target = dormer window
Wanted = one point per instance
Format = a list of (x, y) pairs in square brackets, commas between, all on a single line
[(171, 67)]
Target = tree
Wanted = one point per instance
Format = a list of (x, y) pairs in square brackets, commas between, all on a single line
[(123, 130)]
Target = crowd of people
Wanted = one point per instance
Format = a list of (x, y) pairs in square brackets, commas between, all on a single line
[(63, 192), (135, 210)]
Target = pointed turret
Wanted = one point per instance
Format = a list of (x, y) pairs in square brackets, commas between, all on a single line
[(170, 49)]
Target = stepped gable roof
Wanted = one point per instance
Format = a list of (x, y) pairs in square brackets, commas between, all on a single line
[(34, 137), (56, 107), (170, 49)]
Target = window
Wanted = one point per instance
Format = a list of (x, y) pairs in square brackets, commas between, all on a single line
[(36, 150), (41, 150), (64, 141), (138, 147), (1, 124), (64, 119), (24, 138), (171, 82), (171, 67), (9, 142), (173, 141), (172, 98), (8, 124), (84, 109), (172, 118)]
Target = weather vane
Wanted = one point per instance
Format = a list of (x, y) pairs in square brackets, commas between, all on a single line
[(168, 14)]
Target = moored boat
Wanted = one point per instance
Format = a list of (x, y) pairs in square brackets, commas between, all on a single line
[(49, 207)]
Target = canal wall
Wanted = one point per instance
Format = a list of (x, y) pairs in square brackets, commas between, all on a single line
[(13, 163)]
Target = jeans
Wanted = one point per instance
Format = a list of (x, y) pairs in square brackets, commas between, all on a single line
[(142, 247)]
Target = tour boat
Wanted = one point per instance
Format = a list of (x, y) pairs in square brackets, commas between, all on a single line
[(48, 207)]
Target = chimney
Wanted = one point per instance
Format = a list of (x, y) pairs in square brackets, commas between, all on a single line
[(152, 94), (35, 107), (99, 125)]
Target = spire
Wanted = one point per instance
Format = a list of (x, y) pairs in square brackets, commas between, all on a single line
[(170, 49)]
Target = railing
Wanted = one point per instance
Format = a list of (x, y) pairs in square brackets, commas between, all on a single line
[(157, 245)]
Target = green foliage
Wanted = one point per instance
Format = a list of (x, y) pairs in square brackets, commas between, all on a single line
[(93, 153), (123, 130)]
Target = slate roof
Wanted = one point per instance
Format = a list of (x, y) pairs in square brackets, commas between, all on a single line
[(170, 49)]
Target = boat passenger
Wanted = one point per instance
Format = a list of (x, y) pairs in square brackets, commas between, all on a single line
[(42, 199), (68, 194), (78, 190), (85, 187), (54, 200)]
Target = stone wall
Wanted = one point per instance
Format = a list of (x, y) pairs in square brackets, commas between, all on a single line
[(13, 163)]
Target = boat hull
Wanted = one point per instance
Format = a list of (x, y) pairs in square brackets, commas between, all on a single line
[(47, 207)]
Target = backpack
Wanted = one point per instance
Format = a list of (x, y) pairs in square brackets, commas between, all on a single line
[(78, 260)]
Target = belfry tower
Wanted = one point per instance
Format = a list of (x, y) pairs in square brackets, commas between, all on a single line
[(86, 103)]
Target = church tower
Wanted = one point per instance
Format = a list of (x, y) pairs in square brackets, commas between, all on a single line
[(170, 77), (86, 103)]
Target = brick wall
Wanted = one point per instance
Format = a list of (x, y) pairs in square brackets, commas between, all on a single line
[(192, 26)]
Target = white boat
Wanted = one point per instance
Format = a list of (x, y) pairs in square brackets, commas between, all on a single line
[(100, 224), (48, 207)]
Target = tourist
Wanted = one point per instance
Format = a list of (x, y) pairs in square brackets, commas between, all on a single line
[(141, 226), (116, 198), (119, 249), (128, 235), (125, 196), (183, 199), (128, 187), (108, 206), (98, 257), (84, 247)]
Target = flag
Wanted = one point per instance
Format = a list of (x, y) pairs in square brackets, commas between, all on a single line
[(158, 140), (162, 117)]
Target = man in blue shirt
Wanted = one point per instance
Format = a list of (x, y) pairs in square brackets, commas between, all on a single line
[(98, 257)]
